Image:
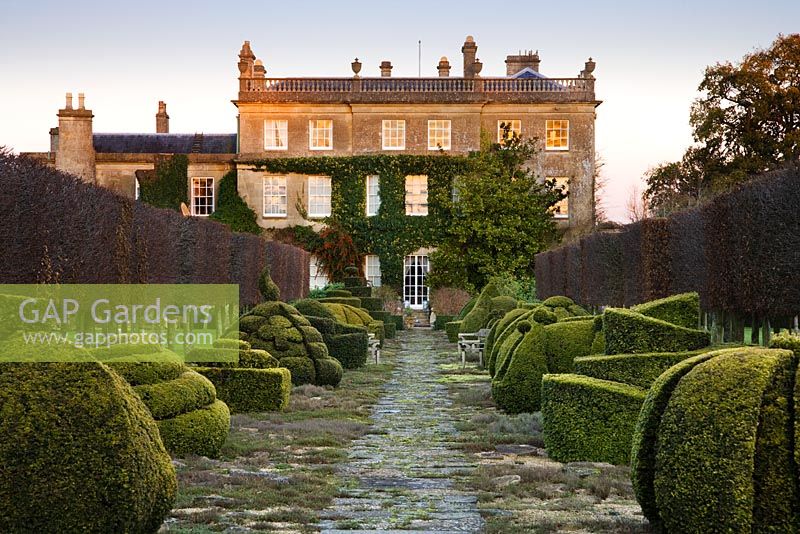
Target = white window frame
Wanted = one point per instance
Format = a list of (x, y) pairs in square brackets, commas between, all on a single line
[(313, 127), (415, 273), (316, 277), (281, 126), (319, 188), (415, 189), (393, 134), (211, 206), (563, 203), (269, 181), (137, 191), (374, 206), (550, 126), (372, 269), (516, 127), (436, 126)]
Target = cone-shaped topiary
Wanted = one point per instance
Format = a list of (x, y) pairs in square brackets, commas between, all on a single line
[(79, 452)]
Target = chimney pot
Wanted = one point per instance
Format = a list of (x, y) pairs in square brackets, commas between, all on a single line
[(386, 69), (444, 67), (69, 101), (81, 101), (470, 51), (162, 119)]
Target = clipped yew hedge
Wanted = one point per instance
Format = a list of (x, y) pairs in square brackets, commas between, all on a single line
[(57, 228), (714, 446), (588, 419), (634, 369), (627, 331), (682, 310), (251, 390), (79, 452), (739, 251)]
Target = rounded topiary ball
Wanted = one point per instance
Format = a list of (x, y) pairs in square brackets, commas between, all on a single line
[(524, 326), (79, 452)]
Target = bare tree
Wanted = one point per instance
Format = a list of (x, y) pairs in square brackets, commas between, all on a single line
[(637, 205), (599, 183)]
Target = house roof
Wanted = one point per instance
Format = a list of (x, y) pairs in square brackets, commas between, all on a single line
[(165, 143), (528, 72)]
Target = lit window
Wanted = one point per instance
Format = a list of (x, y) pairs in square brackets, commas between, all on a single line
[(439, 135), (394, 135), (275, 196), (320, 134), (417, 195), (373, 194), (557, 135), (514, 130), (561, 208), (202, 196), (372, 268), (316, 276), (319, 196), (276, 135), (415, 273), (137, 192)]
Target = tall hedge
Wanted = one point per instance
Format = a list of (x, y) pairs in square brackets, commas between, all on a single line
[(739, 251), (58, 229)]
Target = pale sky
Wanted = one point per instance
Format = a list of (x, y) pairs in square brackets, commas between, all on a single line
[(128, 56)]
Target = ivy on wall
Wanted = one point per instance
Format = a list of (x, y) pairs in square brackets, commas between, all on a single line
[(232, 210), (165, 187), (391, 234)]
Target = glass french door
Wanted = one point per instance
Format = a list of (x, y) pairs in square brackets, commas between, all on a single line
[(415, 292)]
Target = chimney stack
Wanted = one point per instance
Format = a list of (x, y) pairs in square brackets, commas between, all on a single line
[(470, 51), (75, 142), (514, 64), (162, 119), (386, 69), (444, 67)]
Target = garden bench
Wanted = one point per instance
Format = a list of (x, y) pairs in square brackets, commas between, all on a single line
[(375, 348), (472, 342)]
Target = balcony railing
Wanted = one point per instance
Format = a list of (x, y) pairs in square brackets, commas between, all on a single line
[(417, 85)]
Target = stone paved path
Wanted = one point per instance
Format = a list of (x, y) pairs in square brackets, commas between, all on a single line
[(400, 477)]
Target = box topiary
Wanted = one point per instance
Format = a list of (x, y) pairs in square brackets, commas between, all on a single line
[(200, 432), (312, 307), (328, 372), (682, 310), (190, 391), (360, 291), (79, 452), (251, 390), (354, 281), (466, 309), (633, 369), (498, 340), (517, 382), (339, 293), (452, 329), (282, 331), (381, 316), (390, 330), (627, 331), (543, 315), (441, 320), (588, 419), (721, 451), (558, 301), (372, 304), (498, 328), (565, 341), (503, 304), (350, 349), (478, 316), (349, 301)]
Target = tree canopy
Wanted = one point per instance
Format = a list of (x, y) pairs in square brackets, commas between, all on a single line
[(746, 122), (502, 217)]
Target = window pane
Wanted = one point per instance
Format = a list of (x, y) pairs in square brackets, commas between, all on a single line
[(415, 292), (275, 198), (319, 196), (373, 195), (393, 133), (557, 135), (372, 269), (561, 208), (417, 195), (276, 134), (317, 278), (514, 129), (320, 133), (202, 196), (439, 135)]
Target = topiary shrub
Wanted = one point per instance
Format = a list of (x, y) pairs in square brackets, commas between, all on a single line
[(390, 330), (328, 372), (186, 393), (478, 316), (373, 304), (200, 432), (720, 450), (467, 308), (503, 304), (252, 390), (682, 310), (565, 341), (452, 329), (498, 328), (627, 331), (577, 310), (543, 315), (588, 419), (339, 293), (517, 382), (442, 320), (269, 290), (497, 343), (312, 307), (350, 349), (349, 301), (633, 369), (284, 333), (79, 452), (558, 302)]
